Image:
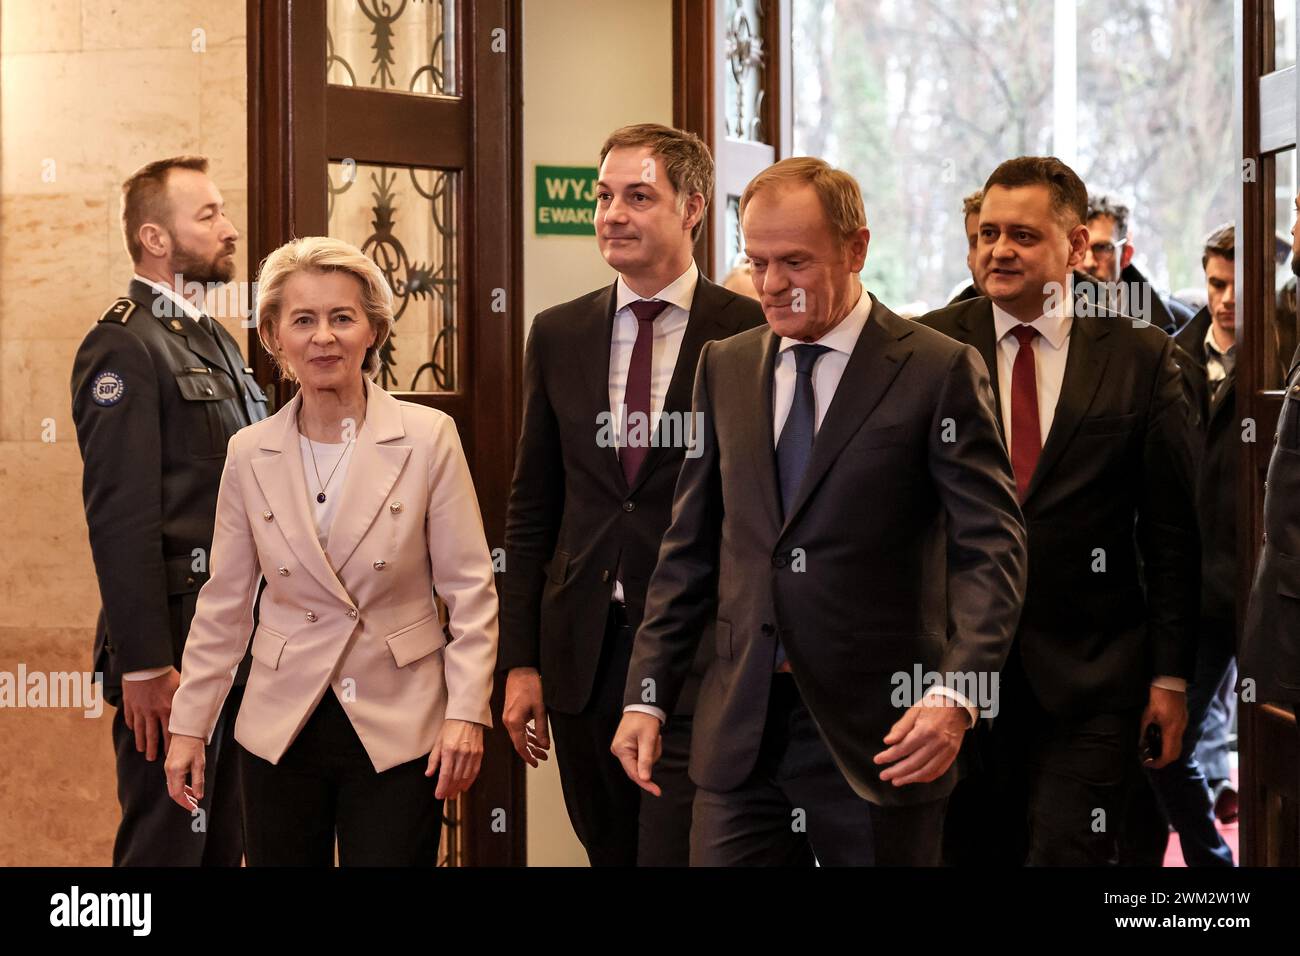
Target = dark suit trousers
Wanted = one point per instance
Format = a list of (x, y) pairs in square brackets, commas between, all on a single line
[(325, 785), (796, 808), (1059, 781), (617, 822), (154, 831)]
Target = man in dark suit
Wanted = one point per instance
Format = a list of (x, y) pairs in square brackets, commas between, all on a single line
[(1116, 281), (606, 421), (850, 523), (1269, 659), (1092, 410), (158, 388)]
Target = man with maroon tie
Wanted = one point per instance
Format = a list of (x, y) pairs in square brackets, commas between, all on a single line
[(607, 424), (1098, 432)]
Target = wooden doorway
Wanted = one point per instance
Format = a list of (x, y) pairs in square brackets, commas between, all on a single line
[(396, 126), (731, 87), (1265, 129)]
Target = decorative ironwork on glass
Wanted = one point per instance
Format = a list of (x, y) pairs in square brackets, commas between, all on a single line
[(405, 46), (405, 220), (746, 71), (735, 240)]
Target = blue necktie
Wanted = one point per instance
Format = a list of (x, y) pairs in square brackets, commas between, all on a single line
[(794, 448)]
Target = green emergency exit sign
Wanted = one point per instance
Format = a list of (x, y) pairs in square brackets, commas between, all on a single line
[(566, 200)]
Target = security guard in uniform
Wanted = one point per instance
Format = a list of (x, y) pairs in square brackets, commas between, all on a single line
[(158, 388), (1268, 662)]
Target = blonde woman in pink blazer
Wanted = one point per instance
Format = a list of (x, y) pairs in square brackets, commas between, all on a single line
[(356, 508)]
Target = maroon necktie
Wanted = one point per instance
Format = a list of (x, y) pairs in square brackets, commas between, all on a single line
[(1026, 438), (636, 397)]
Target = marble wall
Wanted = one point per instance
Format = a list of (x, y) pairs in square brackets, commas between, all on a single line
[(89, 91)]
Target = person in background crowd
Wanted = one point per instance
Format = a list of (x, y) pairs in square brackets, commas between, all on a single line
[(1109, 259)]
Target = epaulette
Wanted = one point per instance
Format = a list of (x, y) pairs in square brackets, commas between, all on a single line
[(119, 311)]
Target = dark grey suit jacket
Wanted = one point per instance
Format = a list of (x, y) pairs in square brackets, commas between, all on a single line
[(864, 579), (1270, 642)]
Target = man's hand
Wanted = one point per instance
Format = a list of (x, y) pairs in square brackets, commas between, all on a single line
[(924, 741), (1167, 709), (637, 745), (524, 704), (147, 709)]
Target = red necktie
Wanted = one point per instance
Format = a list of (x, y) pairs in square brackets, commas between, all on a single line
[(636, 397), (1026, 438)]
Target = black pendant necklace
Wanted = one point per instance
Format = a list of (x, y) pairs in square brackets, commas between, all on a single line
[(311, 446)]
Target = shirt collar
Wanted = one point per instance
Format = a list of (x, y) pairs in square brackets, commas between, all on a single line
[(184, 304), (1212, 346), (1054, 327), (680, 292), (845, 335)]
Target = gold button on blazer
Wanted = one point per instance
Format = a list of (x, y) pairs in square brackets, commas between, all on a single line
[(331, 621)]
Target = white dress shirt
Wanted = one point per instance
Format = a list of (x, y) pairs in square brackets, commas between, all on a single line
[(188, 308), (1218, 361), (1051, 351), (669, 330)]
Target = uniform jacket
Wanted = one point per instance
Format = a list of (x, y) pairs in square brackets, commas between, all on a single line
[(154, 402), (358, 616)]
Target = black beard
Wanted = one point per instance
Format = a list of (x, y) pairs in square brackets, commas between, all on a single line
[(1295, 264), (194, 268)]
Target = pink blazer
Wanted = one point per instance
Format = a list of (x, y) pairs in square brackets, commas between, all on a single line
[(358, 616)]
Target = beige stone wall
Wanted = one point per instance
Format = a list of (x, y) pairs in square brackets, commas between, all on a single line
[(89, 91)]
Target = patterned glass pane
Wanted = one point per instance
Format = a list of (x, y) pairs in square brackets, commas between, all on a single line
[(735, 241), (745, 70), (405, 220), (406, 46)]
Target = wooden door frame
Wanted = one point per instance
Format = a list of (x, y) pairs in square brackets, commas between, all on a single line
[(286, 198), (698, 86), (1265, 124)]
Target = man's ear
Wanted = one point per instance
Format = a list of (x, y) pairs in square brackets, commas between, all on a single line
[(1127, 256), (154, 239), (1079, 238), (694, 211)]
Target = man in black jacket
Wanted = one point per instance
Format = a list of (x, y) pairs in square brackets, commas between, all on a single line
[(1093, 413), (607, 401), (158, 388), (1108, 260), (1208, 357)]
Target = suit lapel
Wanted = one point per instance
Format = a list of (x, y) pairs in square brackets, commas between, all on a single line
[(371, 475), (875, 362), (1089, 345), (284, 485), (178, 323), (982, 334), (596, 338), (701, 326), (756, 430)]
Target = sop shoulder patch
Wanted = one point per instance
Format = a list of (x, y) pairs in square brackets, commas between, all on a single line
[(119, 311), (107, 388)]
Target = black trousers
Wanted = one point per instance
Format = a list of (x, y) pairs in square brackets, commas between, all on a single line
[(617, 822), (1059, 782), (325, 786), (796, 808), (154, 830)]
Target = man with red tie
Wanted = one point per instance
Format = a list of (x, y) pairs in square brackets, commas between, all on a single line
[(607, 424), (1092, 410)]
